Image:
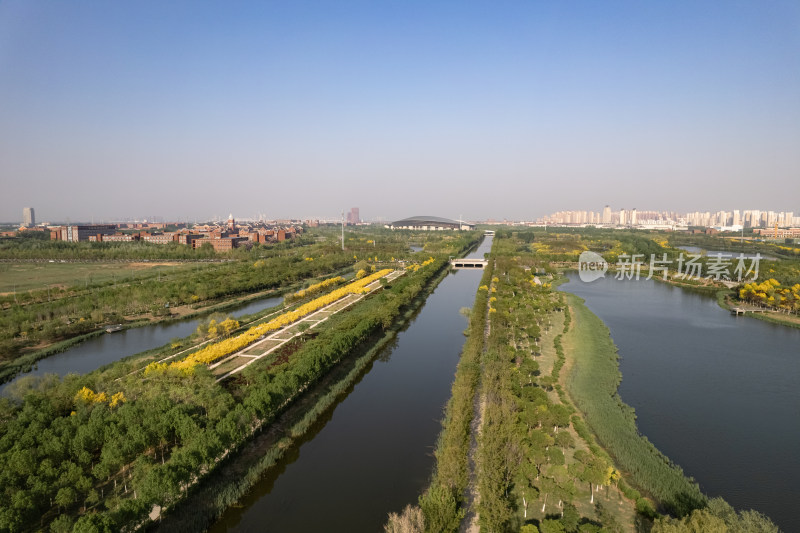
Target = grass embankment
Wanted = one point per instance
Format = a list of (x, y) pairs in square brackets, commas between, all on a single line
[(444, 501), (243, 469), (592, 384)]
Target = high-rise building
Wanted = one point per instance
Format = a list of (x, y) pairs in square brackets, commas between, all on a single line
[(607, 215), (353, 217), (28, 217), (622, 219), (633, 217)]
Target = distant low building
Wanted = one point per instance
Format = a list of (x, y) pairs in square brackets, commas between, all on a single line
[(159, 238), (117, 237), (224, 244), (82, 232), (429, 223), (190, 239), (780, 233)]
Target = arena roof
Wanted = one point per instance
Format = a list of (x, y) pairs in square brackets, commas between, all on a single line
[(429, 221)]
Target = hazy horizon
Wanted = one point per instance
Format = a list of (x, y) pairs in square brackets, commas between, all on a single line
[(303, 109)]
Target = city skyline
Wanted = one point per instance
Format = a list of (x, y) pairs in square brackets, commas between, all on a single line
[(123, 109), (731, 219), (748, 218)]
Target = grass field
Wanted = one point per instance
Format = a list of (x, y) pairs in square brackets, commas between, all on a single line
[(31, 276)]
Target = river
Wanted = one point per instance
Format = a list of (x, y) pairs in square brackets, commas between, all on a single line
[(373, 452), (718, 394), (99, 351)]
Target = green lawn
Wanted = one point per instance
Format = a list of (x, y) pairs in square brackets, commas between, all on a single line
[(28, 276)]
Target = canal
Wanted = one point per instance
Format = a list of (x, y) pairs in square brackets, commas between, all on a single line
[(718, 394), (99, 351), (373, 452)]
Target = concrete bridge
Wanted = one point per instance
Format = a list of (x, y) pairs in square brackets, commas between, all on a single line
[(469, 263), (742, 309)]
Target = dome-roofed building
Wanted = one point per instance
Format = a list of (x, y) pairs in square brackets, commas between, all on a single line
[(428, 223)]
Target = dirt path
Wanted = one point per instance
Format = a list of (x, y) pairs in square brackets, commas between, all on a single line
[(473, 498)]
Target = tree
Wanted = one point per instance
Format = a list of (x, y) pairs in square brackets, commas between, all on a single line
[(720, 517), (546, 486), (212, 330), (700, 521), (594, 471), (526, 475), (95, 523), (570, 517), (62, 524), (440, 509), (551, 526), (65, 497), (411, 520), (228, 326)]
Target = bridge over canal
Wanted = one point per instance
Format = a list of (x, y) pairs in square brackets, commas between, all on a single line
[(469, 263)]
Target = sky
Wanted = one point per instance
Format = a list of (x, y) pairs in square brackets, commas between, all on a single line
[(509, 109)]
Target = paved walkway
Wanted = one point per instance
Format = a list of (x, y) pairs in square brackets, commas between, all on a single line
[(238, 361)]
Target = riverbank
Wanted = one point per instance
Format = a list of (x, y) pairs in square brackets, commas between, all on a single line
[(773, 317), (592, 385), (723, 296)]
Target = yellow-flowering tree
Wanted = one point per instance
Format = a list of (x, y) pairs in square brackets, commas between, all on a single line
[(211, 353), (228, 326), (88, 396)]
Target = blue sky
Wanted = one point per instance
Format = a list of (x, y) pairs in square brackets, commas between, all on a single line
[(486, 109)]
